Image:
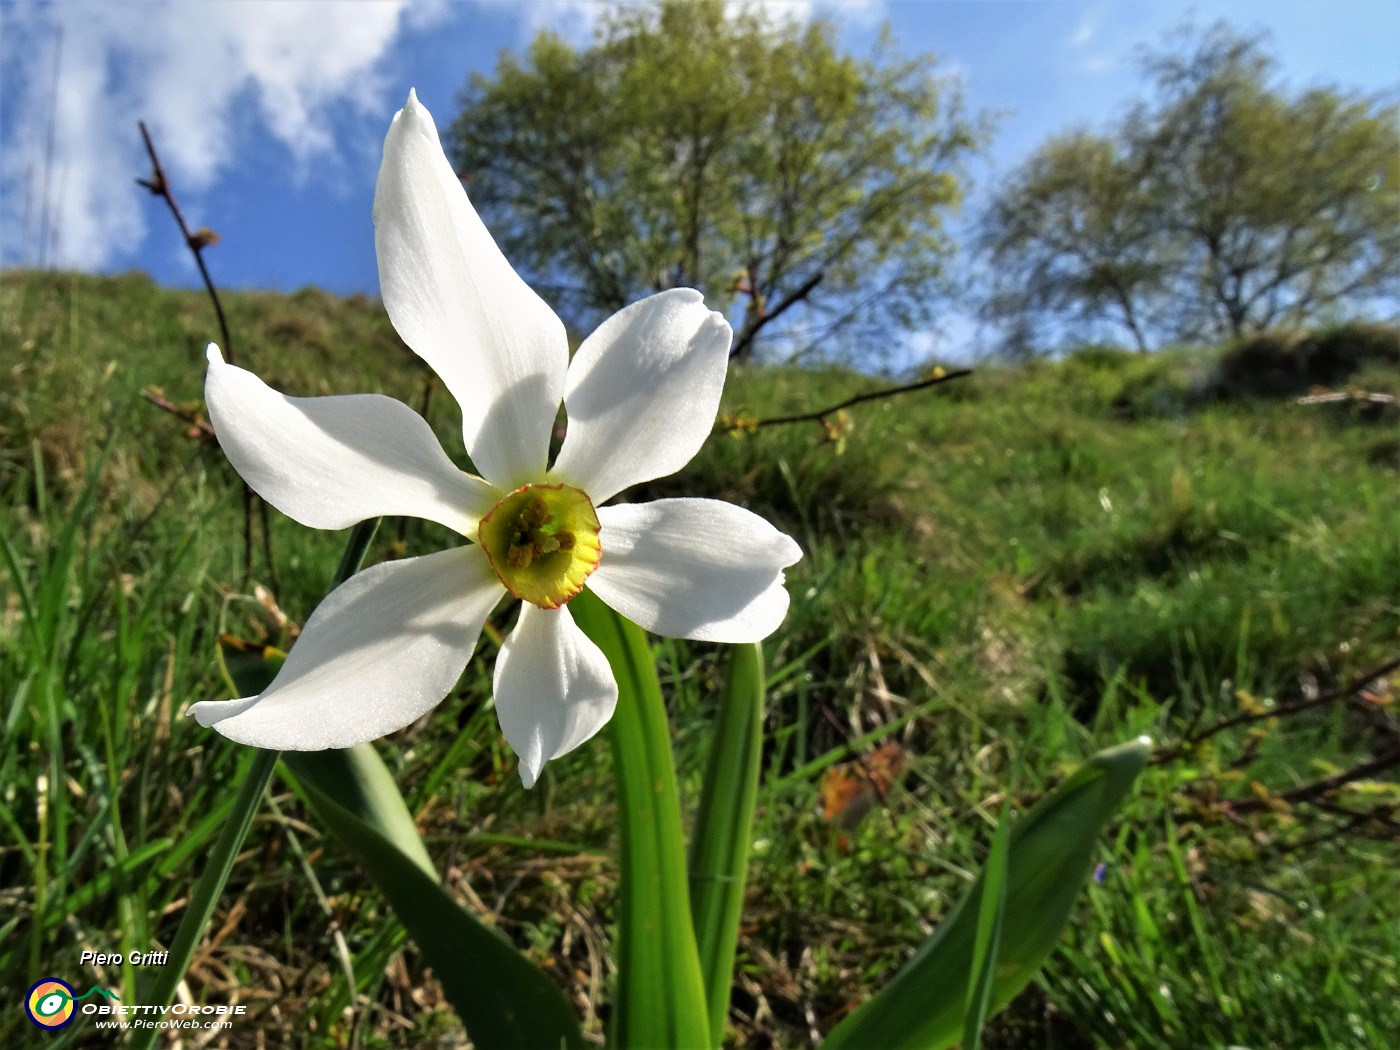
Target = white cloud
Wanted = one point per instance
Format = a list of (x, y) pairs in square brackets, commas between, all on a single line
[(576, 20), (200, 75), (1091, 54), (1085, 30), (864, 12)]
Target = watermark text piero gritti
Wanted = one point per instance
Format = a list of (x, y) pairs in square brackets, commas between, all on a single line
[(130, 958)]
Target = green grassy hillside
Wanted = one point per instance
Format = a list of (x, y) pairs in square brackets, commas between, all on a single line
[(1002, 575)]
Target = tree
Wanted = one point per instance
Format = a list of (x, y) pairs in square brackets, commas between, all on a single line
[(1069, 238), (747, 158), (1227, 205)]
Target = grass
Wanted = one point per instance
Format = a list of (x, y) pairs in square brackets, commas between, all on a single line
[(1001, 575)]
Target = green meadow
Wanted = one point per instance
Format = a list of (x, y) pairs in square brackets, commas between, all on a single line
[(1002, 574)]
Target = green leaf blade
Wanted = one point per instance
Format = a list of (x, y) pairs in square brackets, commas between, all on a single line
[(253, 779), (723, 833), (1050, 854), (159, 988), (359, 781), (505, 1002), (991, 913)]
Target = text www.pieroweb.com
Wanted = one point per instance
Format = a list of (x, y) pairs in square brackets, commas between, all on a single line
[(178, 1016)]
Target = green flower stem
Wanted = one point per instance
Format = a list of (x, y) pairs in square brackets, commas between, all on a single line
[(719, 847), (253, 783), (660, 999)]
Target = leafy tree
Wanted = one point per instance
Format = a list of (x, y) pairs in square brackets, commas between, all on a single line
[(748, 158), (1226, 205), (1069, 237)]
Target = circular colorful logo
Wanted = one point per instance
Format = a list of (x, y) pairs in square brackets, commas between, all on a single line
[(49, 1003)]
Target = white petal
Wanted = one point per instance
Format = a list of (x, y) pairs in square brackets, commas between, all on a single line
[(642, 393), (694, 568), (329, 462), (554, 688), (381, 650), (456, 301)]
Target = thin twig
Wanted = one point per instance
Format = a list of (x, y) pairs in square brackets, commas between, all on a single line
[(197, 241), (273, 580), (1318, 789), (872, 395), (196, 421), (1379, 814), (159, 185), (744, 343), (1351, 688), (1331, 397)]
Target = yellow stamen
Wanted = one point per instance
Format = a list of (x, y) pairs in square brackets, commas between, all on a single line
[(542, 541)]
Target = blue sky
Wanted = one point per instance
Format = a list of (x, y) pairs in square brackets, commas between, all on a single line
[(270, 114)]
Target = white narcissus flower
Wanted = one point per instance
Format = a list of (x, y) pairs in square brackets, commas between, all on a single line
[(641, 396)]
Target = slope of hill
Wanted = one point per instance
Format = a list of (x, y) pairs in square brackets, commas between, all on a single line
[(1010, 570)]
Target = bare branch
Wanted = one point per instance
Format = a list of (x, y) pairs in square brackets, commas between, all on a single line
[(197, 241), (199, 426), (873, 395), (1319, 789), (1350, 689), (750, 331)]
